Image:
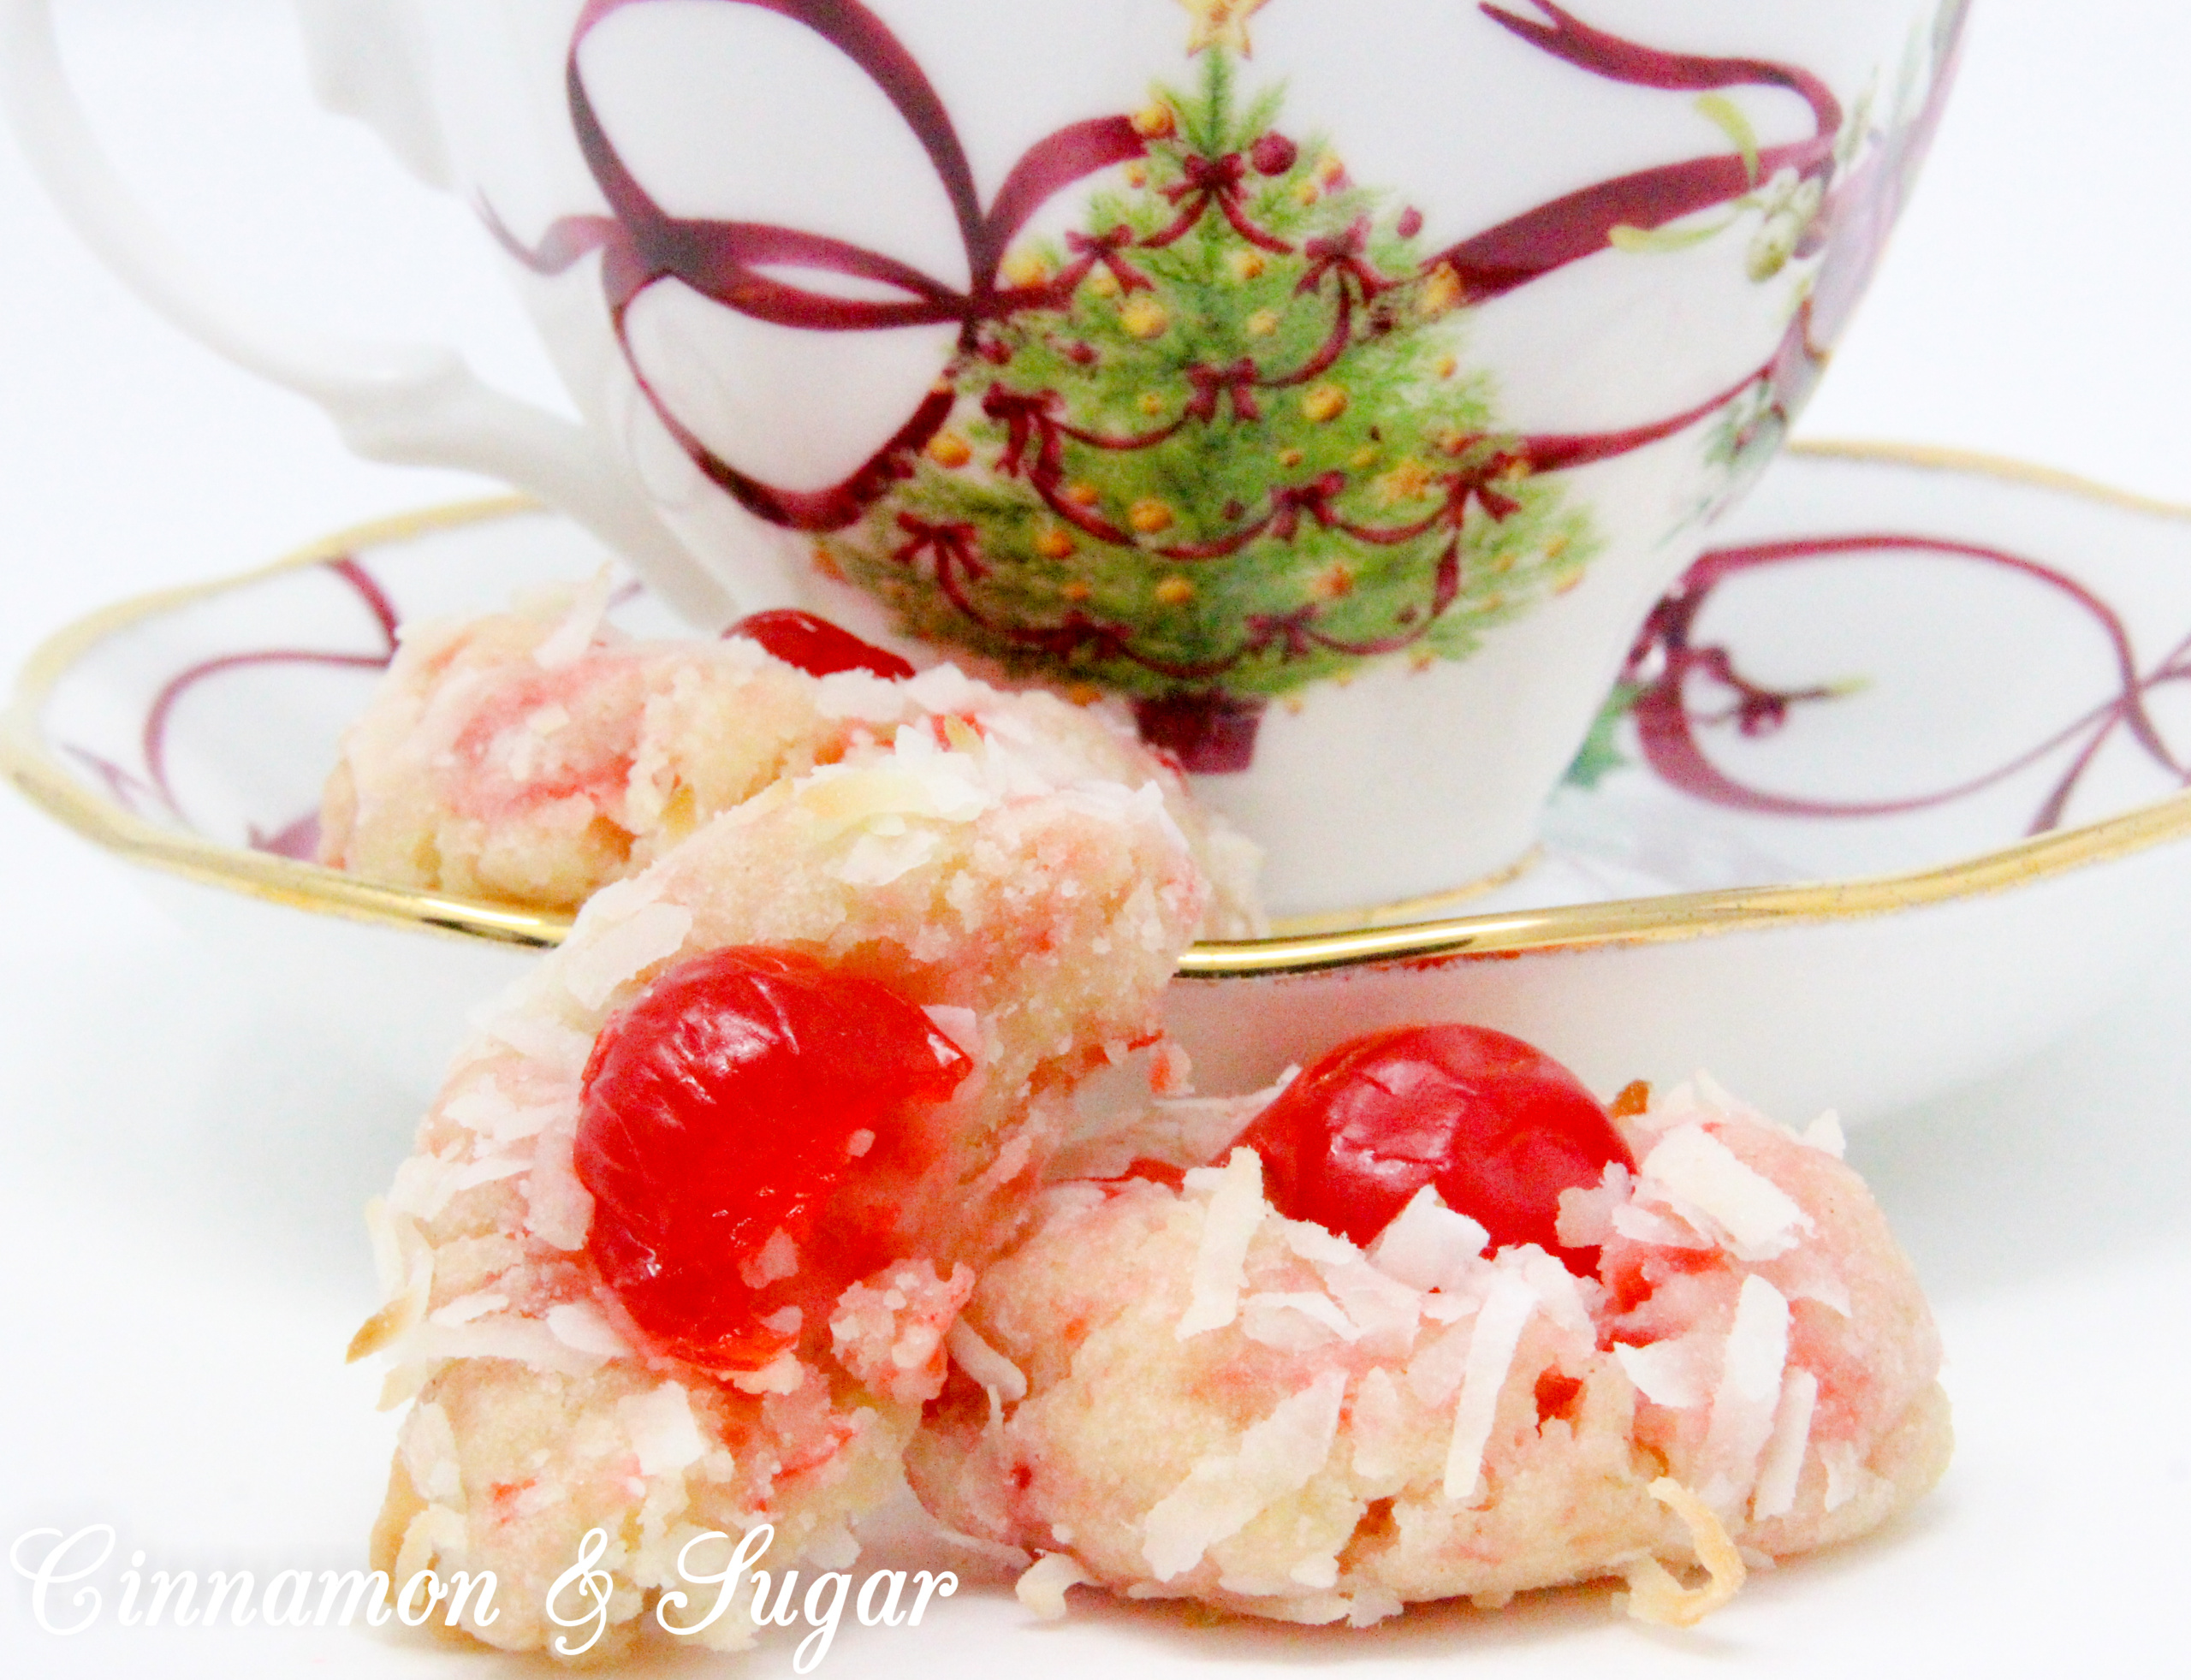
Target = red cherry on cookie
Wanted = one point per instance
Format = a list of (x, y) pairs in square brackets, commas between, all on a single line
[(721, 1115), (1495, 1123), (817, 646)]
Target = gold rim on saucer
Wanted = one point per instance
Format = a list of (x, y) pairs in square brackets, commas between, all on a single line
[(1663, 920)]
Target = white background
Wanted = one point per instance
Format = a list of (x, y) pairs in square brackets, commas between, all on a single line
[(181, 1164)]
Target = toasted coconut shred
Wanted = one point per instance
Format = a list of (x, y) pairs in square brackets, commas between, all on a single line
[(1656, 1596)]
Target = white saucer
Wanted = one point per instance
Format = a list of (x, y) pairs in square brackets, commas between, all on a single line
[(1892, 804), (185, 1172)]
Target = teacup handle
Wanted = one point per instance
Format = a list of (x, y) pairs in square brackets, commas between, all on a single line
[(412, 405)]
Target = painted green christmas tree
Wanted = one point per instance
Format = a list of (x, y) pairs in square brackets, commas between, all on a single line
[(1231, 451)]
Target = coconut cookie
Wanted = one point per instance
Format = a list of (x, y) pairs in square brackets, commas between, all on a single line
[(532, 757), (684, 1233), (1304, 1385)]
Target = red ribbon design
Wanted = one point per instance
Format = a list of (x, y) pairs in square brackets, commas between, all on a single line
[(642, 244), (1581, 224), (1343, 253), (1236, 384), (1219, 181), (1106, 249), (1668, 723)]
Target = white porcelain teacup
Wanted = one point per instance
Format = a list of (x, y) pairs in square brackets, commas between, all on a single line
[(1338, 384)]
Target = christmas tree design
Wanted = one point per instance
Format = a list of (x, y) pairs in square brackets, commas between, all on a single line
[(1231, 449), (1222, 441)]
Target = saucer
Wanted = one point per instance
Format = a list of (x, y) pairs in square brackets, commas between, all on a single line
[(1890, 794)]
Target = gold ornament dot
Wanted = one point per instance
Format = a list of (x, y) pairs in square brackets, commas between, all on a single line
[(1175, 591), (1054, 544), (1262, 323), (1442, 292), (1410, 480), (1149, 516), (1026, 268), (1155, 122), (1246, 265), (949, 450), (1333, 583), (1323, 403), (1145, 317)]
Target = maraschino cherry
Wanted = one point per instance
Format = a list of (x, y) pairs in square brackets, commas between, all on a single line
[(744, 1094), (1496, 1125), (817, 646)]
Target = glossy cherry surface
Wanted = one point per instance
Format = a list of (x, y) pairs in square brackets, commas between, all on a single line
[(817, 646), (746, 1093), (1499, 1127)]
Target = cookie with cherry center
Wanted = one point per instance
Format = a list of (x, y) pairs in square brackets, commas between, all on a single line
[(1430, 1321), (532, 757), (680, 1240)]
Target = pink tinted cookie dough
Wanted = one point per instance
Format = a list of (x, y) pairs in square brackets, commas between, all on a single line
[(1175, 1393), (533, 756), (1032, 906)]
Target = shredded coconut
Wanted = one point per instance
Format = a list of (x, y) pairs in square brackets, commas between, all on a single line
[(1385, 1312), (984, 1364), (778, 1260), (663, 1433), (559, 1208), (1782, 1467), (428, 1447), (783, 1374), (1558, 1290), (1498, 1334), (1705, 1182), (581, 1326), (879, 858), (602, 957), (1042, 1587), (466, 1307), (1653, 1594), (1824, 1134), (1295, 1322), (569, 642), (1845, 1474), (1229, 1223), (1676, 1372), (1429, 1246), (405, 1260), (1748, 1395), (963, 1027), (1377, 1427), (1224, 1492)]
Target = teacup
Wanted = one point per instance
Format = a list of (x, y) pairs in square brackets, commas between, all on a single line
[(1340, 386)]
